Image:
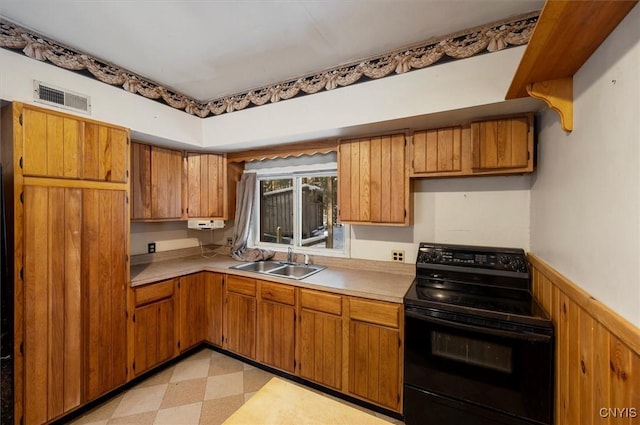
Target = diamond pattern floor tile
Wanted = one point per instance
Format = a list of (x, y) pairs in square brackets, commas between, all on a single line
[(205, 388)]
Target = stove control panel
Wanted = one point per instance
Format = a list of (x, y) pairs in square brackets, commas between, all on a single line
[(508, 259)]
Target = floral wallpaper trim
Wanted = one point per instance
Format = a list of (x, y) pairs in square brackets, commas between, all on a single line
[(487, 38)]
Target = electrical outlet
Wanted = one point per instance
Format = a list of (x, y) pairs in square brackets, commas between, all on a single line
[(151, 247), (397, 255), (229, 241)]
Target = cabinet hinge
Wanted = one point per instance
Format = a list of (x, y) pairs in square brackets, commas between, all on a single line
[(126, 173), (178, 344), (20, 121), (412, 166), (21, 163), (133, 366), (22, 348), (294, 365), (134, 318), (21, 417), (22, 197), (126, 258), (528, 155), (126, 199), (405, 213)]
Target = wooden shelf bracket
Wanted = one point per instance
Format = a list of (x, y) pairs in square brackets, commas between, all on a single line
[(558, 94)]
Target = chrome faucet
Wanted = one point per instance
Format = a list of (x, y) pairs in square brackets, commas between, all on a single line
[(290, 255)]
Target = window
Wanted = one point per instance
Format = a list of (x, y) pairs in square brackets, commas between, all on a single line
[(298, 209)]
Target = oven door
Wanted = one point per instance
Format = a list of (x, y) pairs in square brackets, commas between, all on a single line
[(476, 368)]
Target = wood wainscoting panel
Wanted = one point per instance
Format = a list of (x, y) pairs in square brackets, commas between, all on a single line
[(597, 353)]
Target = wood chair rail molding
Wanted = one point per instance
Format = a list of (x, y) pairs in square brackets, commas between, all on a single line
[(565, 36)]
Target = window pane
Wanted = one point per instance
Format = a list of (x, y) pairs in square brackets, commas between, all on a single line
[(276, 211), (320, 213)]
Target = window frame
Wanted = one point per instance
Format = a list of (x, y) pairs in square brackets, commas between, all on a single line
[(296, 174)]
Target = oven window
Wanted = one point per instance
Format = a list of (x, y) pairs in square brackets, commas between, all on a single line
[(471, 351)]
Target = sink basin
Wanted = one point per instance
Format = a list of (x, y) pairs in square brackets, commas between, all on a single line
[(295, 271), (258, 267), (275, 268)]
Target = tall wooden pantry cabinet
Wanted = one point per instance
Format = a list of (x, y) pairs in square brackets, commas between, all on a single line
[(66, 187)]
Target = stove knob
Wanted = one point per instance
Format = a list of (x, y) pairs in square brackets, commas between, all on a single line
[(505, 260), (519, 266)]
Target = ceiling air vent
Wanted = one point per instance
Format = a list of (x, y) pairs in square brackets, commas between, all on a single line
[(62, 98)]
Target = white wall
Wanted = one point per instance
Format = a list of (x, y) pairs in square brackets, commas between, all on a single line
[(174, 235), (479, 80), (585, 213), (108, 103), (492, 211)]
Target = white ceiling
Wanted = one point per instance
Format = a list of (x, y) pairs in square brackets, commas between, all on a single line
[(207, 49)]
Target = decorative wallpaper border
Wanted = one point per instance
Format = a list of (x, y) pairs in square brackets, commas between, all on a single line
[(487, 38)]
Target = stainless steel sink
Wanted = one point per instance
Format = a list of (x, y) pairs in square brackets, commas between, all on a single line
[(275, 268), (258, 266), (295, 271)]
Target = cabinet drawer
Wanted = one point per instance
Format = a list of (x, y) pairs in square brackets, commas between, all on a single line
[(384, 314), (153, 292), (321, 301), (279, 293), (241, 285)]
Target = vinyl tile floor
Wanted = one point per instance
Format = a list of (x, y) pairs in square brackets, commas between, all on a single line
[(203, 389)]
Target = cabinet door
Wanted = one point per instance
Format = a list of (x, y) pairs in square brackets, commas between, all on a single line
[(373, 184), (52, 302), (52, 144), (375, 363), (193, 316), (206, 174), (166, 183), (140, 181), (154, 335), (105, 153), (276, 331), (104, 275), (437, 151), (240, 316), (214, 297), (320, 353), (503, 143)]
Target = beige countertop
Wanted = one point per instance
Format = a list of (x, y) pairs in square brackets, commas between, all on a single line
[(372, 284)]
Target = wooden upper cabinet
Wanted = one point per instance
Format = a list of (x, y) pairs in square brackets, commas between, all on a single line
[(373, 183), (62, 146), (503, 144), (206, 176), (156, 183), (437, 151), (105, 153)]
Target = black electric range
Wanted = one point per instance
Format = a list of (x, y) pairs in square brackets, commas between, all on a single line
[(478, 346)]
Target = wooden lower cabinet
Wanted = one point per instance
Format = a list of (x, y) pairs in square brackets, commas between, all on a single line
[(276, 325), (214, 283), (240, 316), (375, 352), (193, 314), (319, 338), (154, 325)]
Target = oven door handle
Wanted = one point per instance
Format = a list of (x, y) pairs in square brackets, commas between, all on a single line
[(527, 336)]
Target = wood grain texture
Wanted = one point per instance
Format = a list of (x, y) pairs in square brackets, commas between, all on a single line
[(155, 335), (105, 277), (319, 342), (276, 335), (193, 316), (375, 312), (596, 352), (503, 143), (214, 296), (373, 181), (437, 150), (240, 318), (374, 364), (166, 183), (140, 181), (207, 180), (554, 51), (321, 301)]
